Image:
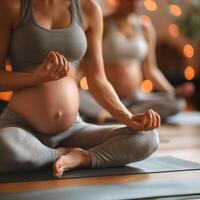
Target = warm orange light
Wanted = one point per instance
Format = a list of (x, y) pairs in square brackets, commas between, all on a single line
[(188, 51), (150, 5), (112, 3), (5, 96), (175, 10), (147, 86), (83, 83), (173, 30), (145, 19), (8, 68), (189, 73)]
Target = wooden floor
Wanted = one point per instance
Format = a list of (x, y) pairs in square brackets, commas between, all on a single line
[(179, 141)]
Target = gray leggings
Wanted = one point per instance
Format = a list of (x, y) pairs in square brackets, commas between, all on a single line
[(22, 148), (162, 103)]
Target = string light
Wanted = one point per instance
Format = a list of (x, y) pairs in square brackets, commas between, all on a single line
[(150, 5), (147, 86), (83, 83), (188, 51), (174, 30), (175, 10), (189, 73), (145, 19)]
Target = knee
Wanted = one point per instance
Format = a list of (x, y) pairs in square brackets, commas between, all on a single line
[(148, 144), (176, 106), (11, 149), (179, 105)]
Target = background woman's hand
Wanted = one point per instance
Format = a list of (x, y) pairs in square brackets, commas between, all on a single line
[(54, 67), (145, 121)]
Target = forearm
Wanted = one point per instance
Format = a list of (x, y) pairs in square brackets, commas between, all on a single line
[(160, 82), (106, 96), (12, 81)]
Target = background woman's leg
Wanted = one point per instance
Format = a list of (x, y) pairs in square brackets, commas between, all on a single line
[(162, 103), (89, 108)]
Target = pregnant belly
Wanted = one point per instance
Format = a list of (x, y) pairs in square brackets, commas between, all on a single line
[(125, 78), (49, 108)]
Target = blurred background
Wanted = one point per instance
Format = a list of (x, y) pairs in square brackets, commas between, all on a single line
[(177, 24)]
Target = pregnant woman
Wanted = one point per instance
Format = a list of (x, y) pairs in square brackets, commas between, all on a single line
[(44, 40), (129, 55)]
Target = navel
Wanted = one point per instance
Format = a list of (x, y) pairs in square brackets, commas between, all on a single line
[(58, 114)]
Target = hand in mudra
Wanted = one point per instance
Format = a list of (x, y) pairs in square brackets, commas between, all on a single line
[(145, 121), (54, 67)]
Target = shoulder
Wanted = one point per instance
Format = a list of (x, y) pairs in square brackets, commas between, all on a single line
[(90, 7), (10, 11), (148, 29), (92, 11)]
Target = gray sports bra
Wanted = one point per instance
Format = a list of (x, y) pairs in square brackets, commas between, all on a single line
[(31, 43), (118, 49)]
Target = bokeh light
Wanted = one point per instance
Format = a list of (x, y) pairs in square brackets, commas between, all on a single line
[(5, 96), (189, 73), (175, 10), (83, 83), (147, 86), (188, 51), (145, 19), (8, 68), (174, 30), (150, 5), (112, 3)]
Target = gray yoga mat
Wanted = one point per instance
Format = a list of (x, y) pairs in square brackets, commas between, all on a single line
[(150, 165), (144, 189), (190, 118)]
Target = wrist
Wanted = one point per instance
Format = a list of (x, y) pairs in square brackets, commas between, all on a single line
[(35, 80), (126, 118)]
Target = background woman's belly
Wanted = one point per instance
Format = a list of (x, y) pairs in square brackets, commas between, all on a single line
[(50, 108), (125, 78)]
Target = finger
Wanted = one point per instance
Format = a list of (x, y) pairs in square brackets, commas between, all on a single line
[(154, 120), (149, 122), (54, 64), (48, 61), (158, 119), (66, 67), (60, 64)]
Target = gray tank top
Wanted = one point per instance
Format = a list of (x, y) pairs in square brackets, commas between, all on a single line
[(31, 43)]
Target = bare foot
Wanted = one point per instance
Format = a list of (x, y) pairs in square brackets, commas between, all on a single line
[(73, 158)]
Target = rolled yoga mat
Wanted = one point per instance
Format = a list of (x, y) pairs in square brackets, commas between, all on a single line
[(150, 165)]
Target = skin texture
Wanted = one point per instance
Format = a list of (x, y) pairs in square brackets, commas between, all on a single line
[(51, 92)]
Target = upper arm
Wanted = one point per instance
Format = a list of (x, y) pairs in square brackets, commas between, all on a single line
[(149, 62), (7, 16), (94, 68)]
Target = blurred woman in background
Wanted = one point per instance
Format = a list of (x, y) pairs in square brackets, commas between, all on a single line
[(129, 56)]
